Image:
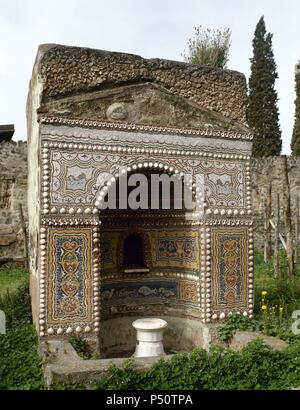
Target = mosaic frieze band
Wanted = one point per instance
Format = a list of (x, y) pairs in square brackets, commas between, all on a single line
[(132, 295), (75, 178)]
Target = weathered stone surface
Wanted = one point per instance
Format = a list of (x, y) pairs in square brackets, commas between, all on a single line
[(6, 230), (144, 104), (64, 365), (67, 71), (7, 239), (241, 339), (13, 193), (266, 171)]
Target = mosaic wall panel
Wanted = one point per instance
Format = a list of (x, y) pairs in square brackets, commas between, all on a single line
[(188, 291), (149, 290), (224, 182), (108, 246), (175, 249), (76, 177), (230, 267), (70, 281)]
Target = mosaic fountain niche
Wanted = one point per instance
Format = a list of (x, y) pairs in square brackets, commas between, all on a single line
[(100, 270), (150, 262)]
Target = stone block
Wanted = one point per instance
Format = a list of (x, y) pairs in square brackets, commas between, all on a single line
[(7, 239), (6, 230), (241, 339)]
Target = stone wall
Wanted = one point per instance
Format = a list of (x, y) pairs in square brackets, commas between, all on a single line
[(266, 171), (13, 193), (70, 71)]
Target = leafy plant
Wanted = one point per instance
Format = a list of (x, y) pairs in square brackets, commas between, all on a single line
[(237, 322), (81, 347), (255, 367), (209, 47)]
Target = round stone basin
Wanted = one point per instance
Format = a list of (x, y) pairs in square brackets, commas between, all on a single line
[(149, 337)]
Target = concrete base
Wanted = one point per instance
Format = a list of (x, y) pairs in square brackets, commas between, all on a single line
[(64, 365), (118, 337)]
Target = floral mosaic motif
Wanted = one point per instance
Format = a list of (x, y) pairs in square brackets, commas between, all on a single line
[(188, 291), (176, 249), (229, 272), (69, 291)]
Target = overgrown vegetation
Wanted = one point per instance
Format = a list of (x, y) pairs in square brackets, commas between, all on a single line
[(20, 365), (16, 306), (11, 279), (209, 47), (82, 348), (255, 367)]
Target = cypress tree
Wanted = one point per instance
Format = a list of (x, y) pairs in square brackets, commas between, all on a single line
[(262, 113), (295, 144)]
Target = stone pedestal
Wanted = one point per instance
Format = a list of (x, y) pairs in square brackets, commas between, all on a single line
[(149, 337)]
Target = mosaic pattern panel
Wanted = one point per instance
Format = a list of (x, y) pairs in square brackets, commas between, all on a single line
[(70, 283), (77, 176), (229, 270), (108, 246), (175, 249), (74, 176), (224, 182), (149, 291), (139, 290), (188, 291)]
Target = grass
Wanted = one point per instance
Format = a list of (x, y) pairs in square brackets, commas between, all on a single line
[(11, 279)]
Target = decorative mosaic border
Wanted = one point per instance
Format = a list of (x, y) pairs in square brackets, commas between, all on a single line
[(79, 326), (207, 313), (209, 132), (45, 182)]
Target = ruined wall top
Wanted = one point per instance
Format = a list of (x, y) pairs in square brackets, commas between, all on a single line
[(70, 71)]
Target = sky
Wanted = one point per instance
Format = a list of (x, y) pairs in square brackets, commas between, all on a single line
[(150, 28)]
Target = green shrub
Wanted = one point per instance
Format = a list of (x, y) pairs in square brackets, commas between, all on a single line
[(237, 322), (255, 367), (80, 346)]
